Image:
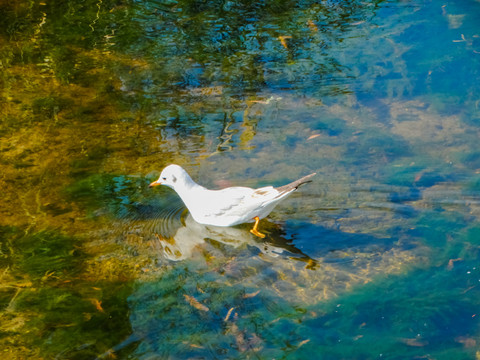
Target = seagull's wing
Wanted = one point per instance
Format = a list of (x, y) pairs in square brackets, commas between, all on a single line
[(264, 194), (235, 205), (220, 202), (257, 200), (239, 200)]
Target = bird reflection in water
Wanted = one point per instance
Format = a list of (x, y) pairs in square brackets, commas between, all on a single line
[(191, 236)]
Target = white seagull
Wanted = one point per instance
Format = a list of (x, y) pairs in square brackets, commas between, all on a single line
[(226, 207)]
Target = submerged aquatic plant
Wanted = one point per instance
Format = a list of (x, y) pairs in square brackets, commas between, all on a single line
[(45, 294)]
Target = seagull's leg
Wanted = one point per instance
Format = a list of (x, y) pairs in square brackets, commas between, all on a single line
[(254, 231)]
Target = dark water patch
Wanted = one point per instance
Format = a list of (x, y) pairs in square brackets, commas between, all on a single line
[(330, 126), (91, 191), (420, 174), (321, 242), (411, 194), (399, 210), (428, 179), (471, 159), (376, 147)]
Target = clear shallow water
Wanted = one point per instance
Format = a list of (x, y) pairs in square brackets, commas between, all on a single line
[(377, 258)]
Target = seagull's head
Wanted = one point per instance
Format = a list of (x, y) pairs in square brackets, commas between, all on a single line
[(172, 176)]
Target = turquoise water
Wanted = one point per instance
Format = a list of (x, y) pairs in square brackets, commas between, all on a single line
[(377, 258)]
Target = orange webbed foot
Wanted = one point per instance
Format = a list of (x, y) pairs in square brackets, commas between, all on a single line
[(254, 230)]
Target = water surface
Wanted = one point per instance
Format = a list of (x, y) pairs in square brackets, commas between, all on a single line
[(377, 258)]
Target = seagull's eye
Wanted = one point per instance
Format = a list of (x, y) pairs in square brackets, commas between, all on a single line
[(164, 178)]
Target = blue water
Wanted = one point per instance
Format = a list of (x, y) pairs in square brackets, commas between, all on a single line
[(377, 258)]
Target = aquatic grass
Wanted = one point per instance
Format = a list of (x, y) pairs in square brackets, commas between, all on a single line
[(72, 323), (63, 314), (46, 253), (46, 108), (6, 295), (39, 254), (6, 233)]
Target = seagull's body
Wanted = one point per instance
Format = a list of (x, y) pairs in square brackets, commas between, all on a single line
[(227, 207)]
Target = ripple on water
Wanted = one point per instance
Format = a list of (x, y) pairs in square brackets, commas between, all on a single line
[(156, 219)]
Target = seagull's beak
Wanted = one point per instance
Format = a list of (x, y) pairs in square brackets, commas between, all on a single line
[(155, 183)]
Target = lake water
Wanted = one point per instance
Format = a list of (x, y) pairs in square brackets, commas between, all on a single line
[(377, 258)]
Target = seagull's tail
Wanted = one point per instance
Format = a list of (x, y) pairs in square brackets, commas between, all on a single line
[(294, 185)]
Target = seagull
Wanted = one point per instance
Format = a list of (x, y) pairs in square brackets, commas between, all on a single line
[(226, 207)]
